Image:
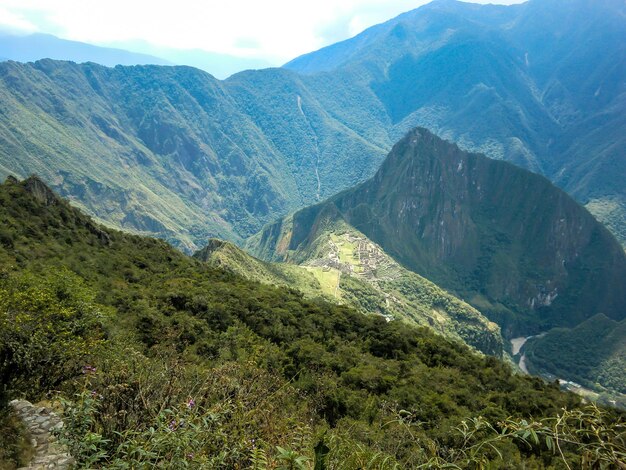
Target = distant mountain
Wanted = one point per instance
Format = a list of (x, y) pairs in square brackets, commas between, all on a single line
[(33, 47), (377, 286), (541, 84), (174, 153), (514, 246), (219, 65)]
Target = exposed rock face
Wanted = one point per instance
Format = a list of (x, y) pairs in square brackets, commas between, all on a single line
[(41, 423), (40, 191), (499, 236)]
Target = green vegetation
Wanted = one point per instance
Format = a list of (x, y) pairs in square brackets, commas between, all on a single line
[(592, 354), (177, 364), (155, 150), (332, 269), (516, 247)]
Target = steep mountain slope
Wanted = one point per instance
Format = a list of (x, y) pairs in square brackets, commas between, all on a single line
[(540, 84), (340, 274), (519, 249), (172, 151), (179, 356), (32, 47)]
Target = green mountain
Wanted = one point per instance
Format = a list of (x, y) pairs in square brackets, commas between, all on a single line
[(340, 274), (160, 360), (592, 354), (539, 84), (173, 151), (504, 239)]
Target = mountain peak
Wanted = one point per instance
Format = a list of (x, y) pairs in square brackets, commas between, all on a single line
[(505, 238)]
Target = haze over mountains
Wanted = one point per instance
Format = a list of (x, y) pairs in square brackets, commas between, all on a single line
[(526, 83), (33, 47)]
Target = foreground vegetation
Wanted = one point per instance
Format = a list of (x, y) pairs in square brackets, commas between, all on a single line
[(159, 360)]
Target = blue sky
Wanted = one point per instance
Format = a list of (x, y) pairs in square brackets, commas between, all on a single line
[(273, 30)]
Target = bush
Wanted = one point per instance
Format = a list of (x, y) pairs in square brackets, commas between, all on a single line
[(48, 325)]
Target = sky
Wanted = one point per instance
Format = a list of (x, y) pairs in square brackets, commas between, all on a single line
[(272, 30)]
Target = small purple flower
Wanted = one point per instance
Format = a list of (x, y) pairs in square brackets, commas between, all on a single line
[(190, 456), (172, 425), (87, 369), (191, 403)]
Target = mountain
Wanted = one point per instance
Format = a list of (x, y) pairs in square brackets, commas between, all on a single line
[(171, 151), (338, 276), (174, 153), (506, 240), (540, 84), (593, 353), (166, 361), (33, 47), (177, 154)]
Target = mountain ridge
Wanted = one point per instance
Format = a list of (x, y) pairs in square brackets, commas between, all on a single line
[(495, 234)]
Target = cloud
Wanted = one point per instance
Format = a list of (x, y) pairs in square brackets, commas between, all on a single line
[(15, 23), (276, 30)]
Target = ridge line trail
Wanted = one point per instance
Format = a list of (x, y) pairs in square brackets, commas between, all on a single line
[(317, 148)]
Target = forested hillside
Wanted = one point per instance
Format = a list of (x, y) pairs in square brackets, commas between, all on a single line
[(161, 360)]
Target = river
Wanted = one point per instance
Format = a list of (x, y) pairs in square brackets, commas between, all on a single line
[(516, 347)]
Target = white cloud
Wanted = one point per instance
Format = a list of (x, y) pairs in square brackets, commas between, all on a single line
[(10, 21), (277, 30)]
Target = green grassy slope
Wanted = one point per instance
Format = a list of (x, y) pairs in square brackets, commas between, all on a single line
[(519, 249), (172, 340)]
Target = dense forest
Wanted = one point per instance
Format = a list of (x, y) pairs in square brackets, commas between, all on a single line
[(158, 359)]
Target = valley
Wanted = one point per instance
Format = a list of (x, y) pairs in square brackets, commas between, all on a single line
[(405, 249)]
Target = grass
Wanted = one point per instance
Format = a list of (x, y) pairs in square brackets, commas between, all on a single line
[(328, 279)]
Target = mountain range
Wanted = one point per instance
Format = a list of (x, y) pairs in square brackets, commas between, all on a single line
[(176, 153), (370, 224), (525, 83)]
